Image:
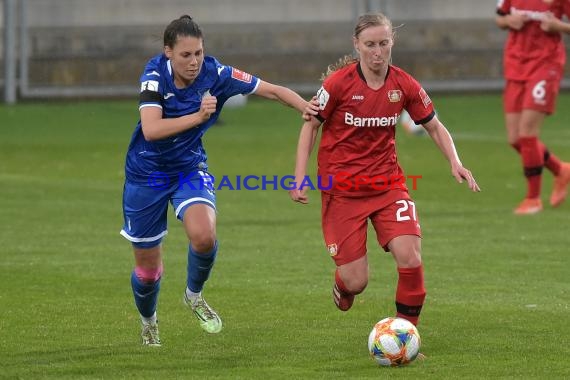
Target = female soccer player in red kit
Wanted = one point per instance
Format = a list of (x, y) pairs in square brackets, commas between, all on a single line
[(533, 61), (360, 103)]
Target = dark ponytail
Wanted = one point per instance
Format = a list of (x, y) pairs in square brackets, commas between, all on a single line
[(183, 26)]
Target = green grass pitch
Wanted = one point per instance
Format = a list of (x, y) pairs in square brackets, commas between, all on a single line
[(497, 304)]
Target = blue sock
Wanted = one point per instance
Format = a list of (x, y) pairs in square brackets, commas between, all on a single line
[(199, 268), (146, 295)]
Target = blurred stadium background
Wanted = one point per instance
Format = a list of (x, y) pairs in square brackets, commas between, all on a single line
[(81, 48)]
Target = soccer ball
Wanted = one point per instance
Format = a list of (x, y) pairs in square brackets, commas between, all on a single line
[(394, 342)]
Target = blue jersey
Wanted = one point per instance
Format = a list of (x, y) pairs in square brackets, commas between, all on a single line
[(181, 153)]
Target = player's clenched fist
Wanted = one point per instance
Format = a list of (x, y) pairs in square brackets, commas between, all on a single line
[(208, 106)]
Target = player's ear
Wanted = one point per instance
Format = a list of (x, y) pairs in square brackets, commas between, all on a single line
[(168, 52)]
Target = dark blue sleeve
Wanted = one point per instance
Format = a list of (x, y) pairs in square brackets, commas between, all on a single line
[(151, 85), (234, 81)]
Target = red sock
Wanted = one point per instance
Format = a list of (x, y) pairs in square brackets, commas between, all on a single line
[(551, 162), (533, 162), (410, 293)]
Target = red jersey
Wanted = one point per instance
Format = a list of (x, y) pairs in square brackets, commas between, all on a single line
[(358, 140), (531, 48)]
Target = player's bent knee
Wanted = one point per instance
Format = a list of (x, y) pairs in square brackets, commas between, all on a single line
[(408, 258), (413, 261), (356, 286), (204, 244)]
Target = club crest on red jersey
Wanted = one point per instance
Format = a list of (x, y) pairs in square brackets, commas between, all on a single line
[(241, 75), (394, 96), (333, 249)]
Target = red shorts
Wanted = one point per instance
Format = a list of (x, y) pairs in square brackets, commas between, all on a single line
[(538, 93), (345, 222)]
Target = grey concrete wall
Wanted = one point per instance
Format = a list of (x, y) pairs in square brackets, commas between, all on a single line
[(154, 12), (278, 52), (107, 42)]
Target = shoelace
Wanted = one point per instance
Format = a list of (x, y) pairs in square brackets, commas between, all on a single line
[(152, 330), (204, 308)]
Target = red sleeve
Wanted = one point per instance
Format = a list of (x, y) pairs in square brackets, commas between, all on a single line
[(503, 7), (418, 104)]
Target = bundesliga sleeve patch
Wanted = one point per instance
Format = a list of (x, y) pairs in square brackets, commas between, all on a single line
[(323, 97), (241, 75), (425, 98), (149, 85)]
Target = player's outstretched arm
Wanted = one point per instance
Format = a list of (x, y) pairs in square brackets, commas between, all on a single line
[(440, 135), (511, 21), (285, 96), (154, 127), (307, 138)]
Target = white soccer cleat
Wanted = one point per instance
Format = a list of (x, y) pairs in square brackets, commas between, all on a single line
[(209, 319), (150, 335)]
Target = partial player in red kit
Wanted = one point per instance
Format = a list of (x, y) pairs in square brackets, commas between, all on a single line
[(360, 103), (533, 61)]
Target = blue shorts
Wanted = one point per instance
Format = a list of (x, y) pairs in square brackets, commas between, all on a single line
[(145, 205)]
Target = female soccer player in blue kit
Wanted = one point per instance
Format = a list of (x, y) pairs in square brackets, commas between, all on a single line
[(182, 94)]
